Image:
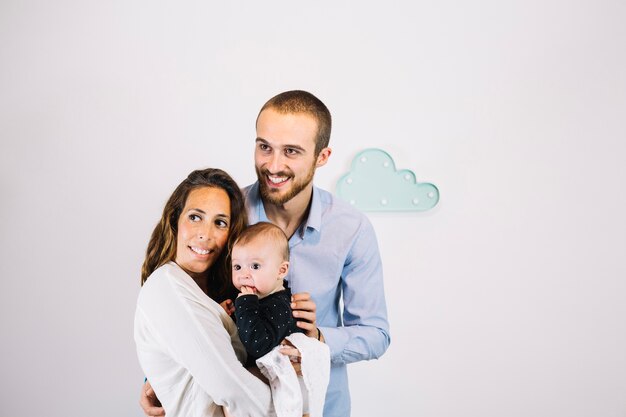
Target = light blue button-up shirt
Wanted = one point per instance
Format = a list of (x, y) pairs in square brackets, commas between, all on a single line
[(334, 256)]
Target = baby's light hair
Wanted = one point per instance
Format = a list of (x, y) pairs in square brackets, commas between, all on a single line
[(267, 231)]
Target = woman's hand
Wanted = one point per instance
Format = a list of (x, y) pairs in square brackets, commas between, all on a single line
[(294, 355), (228, 306), (149, 402), (304, 311)]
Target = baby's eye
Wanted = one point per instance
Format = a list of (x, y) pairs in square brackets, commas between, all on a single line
[(236, 267), (256, 266)]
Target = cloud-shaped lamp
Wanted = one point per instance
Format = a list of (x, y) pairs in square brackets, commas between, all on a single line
[(374, 184)]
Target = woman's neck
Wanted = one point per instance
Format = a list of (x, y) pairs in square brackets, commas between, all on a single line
[(201, 279)]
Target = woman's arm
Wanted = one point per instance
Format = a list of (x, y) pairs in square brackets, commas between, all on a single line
[(149, 402), (186, 325)]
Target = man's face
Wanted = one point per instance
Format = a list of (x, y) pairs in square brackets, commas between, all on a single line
[(284, 156)]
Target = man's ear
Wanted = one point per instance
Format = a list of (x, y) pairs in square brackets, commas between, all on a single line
[(323, 156), (284, 268)]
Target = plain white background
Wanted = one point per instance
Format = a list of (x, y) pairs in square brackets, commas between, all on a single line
[(507, 299)]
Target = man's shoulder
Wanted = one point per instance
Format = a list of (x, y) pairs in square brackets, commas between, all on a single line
[(247, 191), (328, 199), (335, 209), (252, 200)]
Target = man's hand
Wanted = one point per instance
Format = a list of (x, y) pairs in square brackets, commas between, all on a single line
[(228, 306), (304, 311), (149, 402)]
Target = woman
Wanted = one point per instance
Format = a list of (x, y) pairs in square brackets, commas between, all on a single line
[(186, 343)]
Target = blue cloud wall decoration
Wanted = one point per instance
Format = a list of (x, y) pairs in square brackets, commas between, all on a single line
[(374, 184)]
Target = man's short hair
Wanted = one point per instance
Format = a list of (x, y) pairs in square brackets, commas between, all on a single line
[(268, 231), (298, 101)]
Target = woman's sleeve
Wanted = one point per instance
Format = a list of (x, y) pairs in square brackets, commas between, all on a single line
[(193, 334)]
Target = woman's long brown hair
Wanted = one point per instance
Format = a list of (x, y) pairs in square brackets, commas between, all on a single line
[(162, 245)]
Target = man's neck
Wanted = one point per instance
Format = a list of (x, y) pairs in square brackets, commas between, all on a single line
[(293, 213)]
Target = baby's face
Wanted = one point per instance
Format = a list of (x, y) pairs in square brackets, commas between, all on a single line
[(259, 266)]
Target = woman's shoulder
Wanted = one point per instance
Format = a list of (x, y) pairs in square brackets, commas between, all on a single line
[(168, 271), (163, 280), (170, 282)]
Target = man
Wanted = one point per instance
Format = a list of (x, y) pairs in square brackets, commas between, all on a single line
[(334, 253)]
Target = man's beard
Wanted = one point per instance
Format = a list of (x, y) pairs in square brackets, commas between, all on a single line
[(272, 195)]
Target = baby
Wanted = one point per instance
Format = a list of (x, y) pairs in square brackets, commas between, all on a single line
[(260, 262)]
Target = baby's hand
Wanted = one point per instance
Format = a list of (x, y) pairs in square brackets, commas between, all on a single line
[(245, 290), (228, 306)]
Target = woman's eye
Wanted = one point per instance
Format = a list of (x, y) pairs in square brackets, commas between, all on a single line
[(194, 218), (221, 224), (256, 266)]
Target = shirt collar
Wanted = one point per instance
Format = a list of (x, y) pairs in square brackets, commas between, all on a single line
[(312, 222)]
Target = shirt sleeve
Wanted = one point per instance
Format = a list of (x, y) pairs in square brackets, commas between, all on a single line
[(195, 337), (261, 327), (365, 331)]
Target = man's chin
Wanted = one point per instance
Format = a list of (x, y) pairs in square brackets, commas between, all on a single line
[(280, 196), (273, 196)]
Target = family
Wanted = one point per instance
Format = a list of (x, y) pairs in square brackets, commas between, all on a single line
[(303, 283)]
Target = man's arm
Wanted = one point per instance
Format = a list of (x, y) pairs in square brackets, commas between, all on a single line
[(365, 331)]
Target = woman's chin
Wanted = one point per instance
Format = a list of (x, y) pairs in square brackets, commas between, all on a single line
[(195, 268)]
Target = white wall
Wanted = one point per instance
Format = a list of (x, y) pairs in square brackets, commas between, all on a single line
[(506, 300)]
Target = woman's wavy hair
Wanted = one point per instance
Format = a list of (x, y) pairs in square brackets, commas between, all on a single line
[(162, 246)]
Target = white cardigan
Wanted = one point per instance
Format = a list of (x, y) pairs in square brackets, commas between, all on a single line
[(189, 350)]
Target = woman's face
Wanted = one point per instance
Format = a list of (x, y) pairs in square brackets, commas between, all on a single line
[(203, 228)]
